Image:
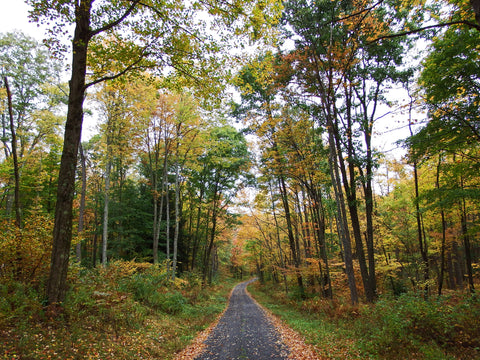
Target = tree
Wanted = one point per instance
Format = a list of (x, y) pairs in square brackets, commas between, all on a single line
[(225, 161), (27, 119), (164, 32), (449, 86), (124, 106), (342, 79), (18, 216)]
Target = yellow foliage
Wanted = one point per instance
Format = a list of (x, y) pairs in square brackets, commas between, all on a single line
[(25, 253)]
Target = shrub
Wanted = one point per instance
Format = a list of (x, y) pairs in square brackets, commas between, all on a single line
[(25, 253), (397, 328)]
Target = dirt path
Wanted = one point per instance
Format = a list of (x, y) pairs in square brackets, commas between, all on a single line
[(244, 332)]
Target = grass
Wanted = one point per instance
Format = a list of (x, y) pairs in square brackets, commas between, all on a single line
[(403, 328), (125, 311)]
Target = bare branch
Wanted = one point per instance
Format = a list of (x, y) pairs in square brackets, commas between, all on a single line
[(419, 30), (132, 66)]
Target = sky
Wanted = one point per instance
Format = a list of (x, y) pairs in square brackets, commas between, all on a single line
[(14, 16)]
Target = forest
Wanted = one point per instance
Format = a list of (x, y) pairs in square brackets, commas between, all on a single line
[(155, 153)]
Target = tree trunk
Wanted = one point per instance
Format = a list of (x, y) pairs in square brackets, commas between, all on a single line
[(81, 210), (62, 232), (368, 189), (476, 9), (466, 244), (291, 238), (196, 237), (211, 240), (177, 220), (158, 219), (444, 233), (349, 184), (319, 217), (342, 223), (105, 211), (277, 228), (16, 174), (167, 229)]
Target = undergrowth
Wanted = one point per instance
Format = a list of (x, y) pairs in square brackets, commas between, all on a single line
[(126, 310), (407, 327)]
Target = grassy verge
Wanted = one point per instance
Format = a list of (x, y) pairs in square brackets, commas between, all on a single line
[(126, 311), (403, 328)]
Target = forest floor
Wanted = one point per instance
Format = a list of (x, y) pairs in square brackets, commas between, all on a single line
[(124, 311), (133, 310)]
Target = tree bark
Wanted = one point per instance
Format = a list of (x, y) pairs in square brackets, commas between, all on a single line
[(177, 219), (291, 237), (444, 233), (62, 232), (277, 233), (466, 244), (342, 224), (105, 210), (81, 211), (16, 174), (211, 239), (476, 9), (349, 184)]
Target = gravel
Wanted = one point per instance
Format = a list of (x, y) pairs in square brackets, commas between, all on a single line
[(244, 332)]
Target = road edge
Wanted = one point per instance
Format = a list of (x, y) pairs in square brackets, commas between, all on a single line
[(295, 343)]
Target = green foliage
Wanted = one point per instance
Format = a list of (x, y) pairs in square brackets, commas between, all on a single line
[(404, 328), (19, 302), (172, 302), (126, 310), (398, 328)]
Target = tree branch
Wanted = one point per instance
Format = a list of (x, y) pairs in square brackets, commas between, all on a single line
[(132, 66), (416, 31), (116, 22)]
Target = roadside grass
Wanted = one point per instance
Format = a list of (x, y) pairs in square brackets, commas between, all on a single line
[(403, 328), (124, 311)]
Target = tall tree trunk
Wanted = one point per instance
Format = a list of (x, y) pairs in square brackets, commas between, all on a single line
[(458, 264), (211, 239), (368, 189), (342, 224), (421, 240), (167, 230), (16, 174), (158, 220), (319, 218), (291, 237), (62, 232), (95, 236), (105, 211), (444, 232), (196, 237), (81, 211), (466, 243), (279, 244), (349, 184), (177, 219)]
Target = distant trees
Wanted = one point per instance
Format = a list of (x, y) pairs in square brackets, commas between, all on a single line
[(314, 107), (30, 124)]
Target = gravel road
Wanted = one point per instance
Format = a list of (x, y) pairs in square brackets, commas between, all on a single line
[(243, 332)]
